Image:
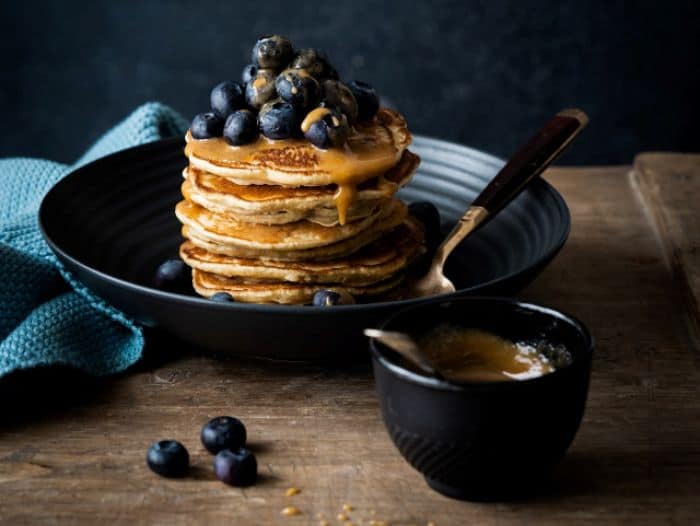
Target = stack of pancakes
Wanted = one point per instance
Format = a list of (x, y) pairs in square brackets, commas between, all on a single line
[(277, 221)]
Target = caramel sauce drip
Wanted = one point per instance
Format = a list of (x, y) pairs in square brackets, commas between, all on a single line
[(314, 115), (368, 153), (344, 197)]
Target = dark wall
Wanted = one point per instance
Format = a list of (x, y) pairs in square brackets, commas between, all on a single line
[(481, 73)]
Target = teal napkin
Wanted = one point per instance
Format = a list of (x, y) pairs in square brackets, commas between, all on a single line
[(46, 317)]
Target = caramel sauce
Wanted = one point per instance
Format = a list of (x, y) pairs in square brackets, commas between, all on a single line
[(474, 355), (314, 115), (368, 153), (256, 192), (344, 197), (387, 184)]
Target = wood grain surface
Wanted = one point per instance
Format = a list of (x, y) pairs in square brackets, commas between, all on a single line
[(72, 448), (670, 185)]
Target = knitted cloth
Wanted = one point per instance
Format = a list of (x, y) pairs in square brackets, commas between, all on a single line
[(46, 317)]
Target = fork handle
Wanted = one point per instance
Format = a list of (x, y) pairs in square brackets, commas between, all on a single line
[(528, 162), (531, 159)]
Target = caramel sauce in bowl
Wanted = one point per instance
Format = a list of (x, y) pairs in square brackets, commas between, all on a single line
[(474, 355), (492, 433)]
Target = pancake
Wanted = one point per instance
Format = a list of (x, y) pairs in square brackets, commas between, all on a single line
[(311, 207), (247, 291), (376, 262), (371, 150), (272, 204), (219, 245), (323, 215), (274, 221), (292, 236)]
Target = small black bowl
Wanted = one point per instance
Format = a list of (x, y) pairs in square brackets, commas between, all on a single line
[(484, 441)]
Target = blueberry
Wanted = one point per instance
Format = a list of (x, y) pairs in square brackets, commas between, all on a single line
[(338, 95), (249, 73), (223, 432), (272, 51), (241, 127), (168, 458), (428, 214), (236, 467), (173, 276), (331, 130), (222, 297), (260, 89), (329, 298), (316, 63), (206, 126), (278, 120), (297, 87), (326, 298), (367, 100), (226, 98)]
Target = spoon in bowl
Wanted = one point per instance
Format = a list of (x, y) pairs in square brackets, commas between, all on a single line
[(527, 163), (403, 344)]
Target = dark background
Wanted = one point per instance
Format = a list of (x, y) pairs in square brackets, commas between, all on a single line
[(482, 73)]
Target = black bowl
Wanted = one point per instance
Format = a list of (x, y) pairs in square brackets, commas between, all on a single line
[(111, 223), (484, 441)]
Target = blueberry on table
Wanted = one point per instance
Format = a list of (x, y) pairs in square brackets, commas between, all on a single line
[(168, 458), (328, 131), (223, 432), (367, 99), (260, 89), (222, 297), (236, 467), (428, 214), (206, 126), (298, 87), (316, 63), (279, 120), (241, 127), (337, 95), (172, 276), (249, 73), (226, 98), (272, 51)]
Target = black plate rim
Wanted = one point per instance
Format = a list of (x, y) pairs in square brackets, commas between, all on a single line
[(266, 308)]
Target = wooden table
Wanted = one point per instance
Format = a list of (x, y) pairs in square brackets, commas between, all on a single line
[(72, 449)]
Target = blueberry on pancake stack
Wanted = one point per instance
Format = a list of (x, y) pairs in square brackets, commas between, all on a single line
[(289, 191)]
